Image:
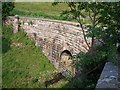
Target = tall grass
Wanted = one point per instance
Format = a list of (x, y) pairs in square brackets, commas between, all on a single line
[(23, 66)]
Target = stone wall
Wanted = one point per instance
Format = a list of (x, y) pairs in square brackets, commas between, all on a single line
[(52, 36), (109, 78)]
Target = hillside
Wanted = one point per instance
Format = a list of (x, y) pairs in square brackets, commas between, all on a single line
[(40, 10), (44, 10), (43, 7), (23, 64)]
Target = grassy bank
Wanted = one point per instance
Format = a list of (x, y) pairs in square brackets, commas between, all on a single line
[(23, 64), (45, 7), (44, 10), (41, 10)]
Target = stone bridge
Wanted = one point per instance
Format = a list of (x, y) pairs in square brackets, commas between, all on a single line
[(58, 40)]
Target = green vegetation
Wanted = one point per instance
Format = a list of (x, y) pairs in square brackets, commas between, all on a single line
[(41, 7), (100, 15), (40, 10), (0, 46), (7, 7), (24, 65)]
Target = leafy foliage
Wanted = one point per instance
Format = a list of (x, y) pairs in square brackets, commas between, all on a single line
[(110, 19), (7, 7), (100, 15)]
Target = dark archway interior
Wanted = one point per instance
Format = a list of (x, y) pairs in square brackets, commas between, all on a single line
[(65, 52), (118, 49), (65, 60)]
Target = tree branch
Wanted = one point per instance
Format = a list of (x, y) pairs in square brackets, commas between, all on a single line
[(93, 69), (83, 32), (90, 15), (81, 25)]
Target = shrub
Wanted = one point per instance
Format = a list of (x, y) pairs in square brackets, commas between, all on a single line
[(7, 7)]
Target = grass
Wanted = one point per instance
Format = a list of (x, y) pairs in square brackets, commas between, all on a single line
[(45, 7), (44, 10), (24, 66), (41, 10), (39, 15)]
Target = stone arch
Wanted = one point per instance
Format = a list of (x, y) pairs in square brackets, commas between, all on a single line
[(65, 60), (67, 52)]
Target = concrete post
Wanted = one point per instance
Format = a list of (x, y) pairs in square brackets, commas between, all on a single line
[(16, 24)]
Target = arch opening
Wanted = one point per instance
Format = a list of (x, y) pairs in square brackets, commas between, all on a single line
[(66, 52), (65, 61)]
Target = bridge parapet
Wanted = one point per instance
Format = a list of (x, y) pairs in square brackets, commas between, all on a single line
[(109, 78)]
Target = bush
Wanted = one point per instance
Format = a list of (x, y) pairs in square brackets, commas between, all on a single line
[(91, 64), (7, 7)]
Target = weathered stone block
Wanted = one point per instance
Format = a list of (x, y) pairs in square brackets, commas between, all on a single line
[(109, 77)]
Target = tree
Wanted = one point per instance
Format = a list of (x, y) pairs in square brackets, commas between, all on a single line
[(99, 14), (7, 7), (81, 11), (110, 18)]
